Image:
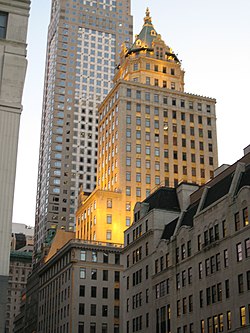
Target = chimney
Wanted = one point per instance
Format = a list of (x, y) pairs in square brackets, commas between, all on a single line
[(246, 150), (184, 190), (220, 169)]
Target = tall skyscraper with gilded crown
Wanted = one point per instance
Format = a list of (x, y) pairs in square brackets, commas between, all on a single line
[(84, 41), (151, 133)]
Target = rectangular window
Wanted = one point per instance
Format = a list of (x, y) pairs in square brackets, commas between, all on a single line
[(243, 316), (184, 305), (178, 308), (245, 217), (82, 291), (215, 324), (109, 203), (156, 98), (224, 229), (82, 273), (199, 242), (93, 291), (190, 276), (104, 310), (227, 292), (92, 327), (229, 320), (3, 24), (81, 327), (81, 308), (83, 255), (201, 298), (183, 278), (239, 252), (207, 266), (94, 256), (93, 274), (219, 292), (190, 303), (213, 294), (208, 294), (217, 261), (138, 177), (202, 326), (108, 235), (200, 270), (104, 328), (128, 105), (178, 285), (104, 292), (147, 96), (248, 280), (109, 219), (212, 264), (209, 325), (247, 247), (221, 324), (237, 221), (240, 284), (226, 258)]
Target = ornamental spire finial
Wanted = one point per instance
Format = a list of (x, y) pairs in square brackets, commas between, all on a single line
[(147, 18)]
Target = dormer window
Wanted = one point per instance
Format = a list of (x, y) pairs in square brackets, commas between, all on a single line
[(153, 33), (138, 42), (137, 216)]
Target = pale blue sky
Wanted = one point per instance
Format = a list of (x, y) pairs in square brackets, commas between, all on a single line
[(212, 38)]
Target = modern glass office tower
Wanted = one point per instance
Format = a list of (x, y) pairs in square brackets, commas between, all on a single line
[(84, 40)]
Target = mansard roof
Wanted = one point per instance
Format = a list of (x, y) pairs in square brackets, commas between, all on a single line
[(217, 188), (163, 198)]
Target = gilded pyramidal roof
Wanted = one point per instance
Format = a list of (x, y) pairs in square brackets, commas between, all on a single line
[(146, 38), (147, 34)]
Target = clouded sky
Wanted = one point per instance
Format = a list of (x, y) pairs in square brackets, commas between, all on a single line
[(212, 38)]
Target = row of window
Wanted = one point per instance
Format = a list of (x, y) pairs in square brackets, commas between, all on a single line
[(184, 306), (156, 68), (137, 133), (217, 323), (105, 291), (93, 328), (94, 256), (93, 274), (192, 118), (164, 99), (93, 310), (221, 322)]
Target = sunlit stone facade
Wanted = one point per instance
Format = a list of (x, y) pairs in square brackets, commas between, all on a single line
[(151, 133)]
